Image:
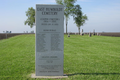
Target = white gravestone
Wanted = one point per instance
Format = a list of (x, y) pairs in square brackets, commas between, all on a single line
[(68, 34), (49, 40), (82, 32)]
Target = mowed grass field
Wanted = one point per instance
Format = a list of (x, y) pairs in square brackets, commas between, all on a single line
[(85, 58)]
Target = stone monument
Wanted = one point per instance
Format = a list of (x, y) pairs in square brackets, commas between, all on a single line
[(94, 32), (97, 34), (90, 34), (68, 34), (82, 32), (49, 40)]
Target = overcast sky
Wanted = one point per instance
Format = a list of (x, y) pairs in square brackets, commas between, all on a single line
[(103, 15)]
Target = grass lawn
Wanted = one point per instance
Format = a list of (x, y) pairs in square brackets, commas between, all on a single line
[(85, 58)]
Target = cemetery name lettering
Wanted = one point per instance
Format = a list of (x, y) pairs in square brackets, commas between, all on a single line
[(49, 11)]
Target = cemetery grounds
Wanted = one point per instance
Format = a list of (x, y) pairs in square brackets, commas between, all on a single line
[(85, 58)]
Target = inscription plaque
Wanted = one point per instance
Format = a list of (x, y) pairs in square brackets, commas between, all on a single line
[(49, 40)]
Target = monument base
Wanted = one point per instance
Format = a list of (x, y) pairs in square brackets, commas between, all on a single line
[(54, 77)]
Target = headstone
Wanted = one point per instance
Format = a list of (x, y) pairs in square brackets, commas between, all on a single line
[(68, 34), (32, 32), (97, 34), (82, 32), (49, 40), (94, 32), (90, 34), (7, 31)]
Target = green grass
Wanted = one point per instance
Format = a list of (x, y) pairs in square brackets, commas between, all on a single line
[(85, 58)]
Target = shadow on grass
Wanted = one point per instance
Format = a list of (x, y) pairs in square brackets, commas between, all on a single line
[(93, 74)]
